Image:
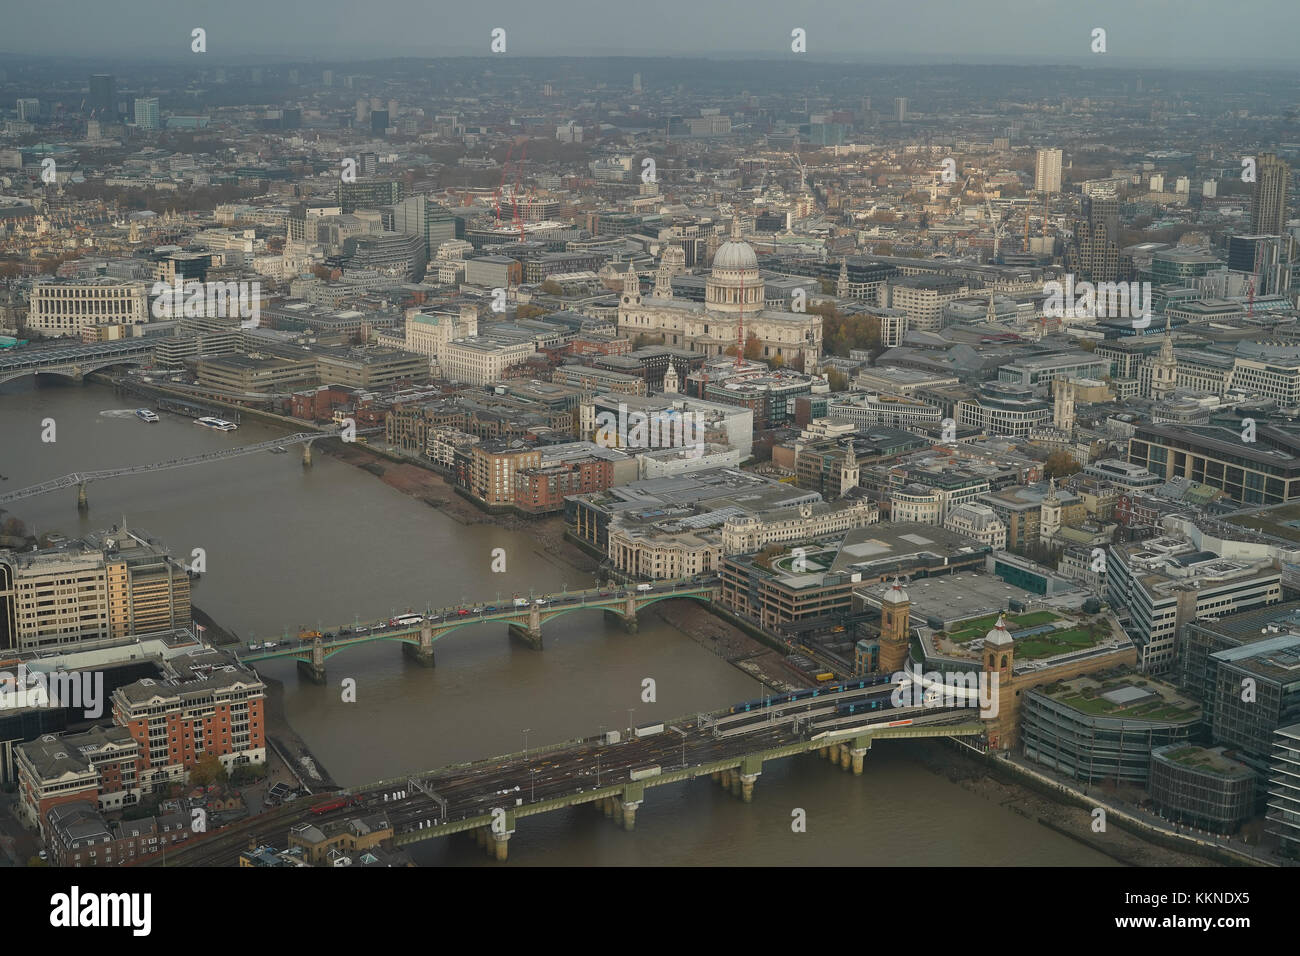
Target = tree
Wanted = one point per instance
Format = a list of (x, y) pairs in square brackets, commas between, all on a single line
[(776, 362), (208, 770), (839, 382), (529, 311), (753, 348), (1061, 464), (551, 287)]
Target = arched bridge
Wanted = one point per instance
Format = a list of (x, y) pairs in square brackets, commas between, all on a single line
[(524, 621), (74, 361)]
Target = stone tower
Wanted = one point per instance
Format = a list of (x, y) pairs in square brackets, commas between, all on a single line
[(671, 383), (672, 262), (1164, 373), (895, 629), (842, 285), (999, 663), (1049, 513), (849, 471), (1063, 408), (631, 287)]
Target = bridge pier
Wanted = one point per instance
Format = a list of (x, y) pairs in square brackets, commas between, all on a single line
[(747, 781), (629, 813), (858, 755), (846, 757), (608, 806), (314, 669), (527, 636), (83, 505), (500, 846), (421, 653), (306, 454)]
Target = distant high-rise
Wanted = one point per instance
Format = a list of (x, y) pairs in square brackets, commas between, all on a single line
[(1047, 174), (1093, 253), (636, 82), (1268, 202), (29, 109), (378, 121), (146, 113), (101, 99), (900, 108), (327, 78)]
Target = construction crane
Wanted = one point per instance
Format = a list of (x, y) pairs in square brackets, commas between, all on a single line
[(505, 168), (998, 224), (514, 193)]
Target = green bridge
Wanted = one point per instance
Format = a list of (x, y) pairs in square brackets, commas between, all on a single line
[(524, 623), (736, 773)]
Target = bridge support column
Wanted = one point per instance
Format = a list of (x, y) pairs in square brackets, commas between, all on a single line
[(500, 846), (629, 814), (314, 669), (725, 780), (735, 783), (629, 615), (83, 505), (306, 454), (747, 781), (481, 836), (527, 636), (421, 653), (846, 757), (857, 760), (608, 806)]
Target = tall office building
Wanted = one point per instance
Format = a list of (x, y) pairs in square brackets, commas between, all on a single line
[(102, 98), (1268, 259), (1268, 202), (1093, 253), (900, 108), (636, 82), (29, 109), (378, 121), (434, 223), (146, 113), (1047, 174)]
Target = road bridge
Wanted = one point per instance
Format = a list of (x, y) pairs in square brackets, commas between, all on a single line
[(611, 772), (74, 361), (524, 620)]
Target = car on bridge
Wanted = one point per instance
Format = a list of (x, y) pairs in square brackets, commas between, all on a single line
[(463, 612)]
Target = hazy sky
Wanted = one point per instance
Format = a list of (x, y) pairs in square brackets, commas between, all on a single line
[(1245, 32)]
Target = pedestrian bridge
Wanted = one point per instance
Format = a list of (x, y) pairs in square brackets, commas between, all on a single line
[(524, 623)]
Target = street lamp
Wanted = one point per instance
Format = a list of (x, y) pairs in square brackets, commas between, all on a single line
[(527, 730), (629, 719)]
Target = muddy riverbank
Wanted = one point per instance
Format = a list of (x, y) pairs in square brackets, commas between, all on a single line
[(969, 773)]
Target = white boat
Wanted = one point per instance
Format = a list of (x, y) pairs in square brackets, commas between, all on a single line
[(145, 415), (220, 424)]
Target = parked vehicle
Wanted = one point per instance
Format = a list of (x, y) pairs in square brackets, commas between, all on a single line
[(644, 587)]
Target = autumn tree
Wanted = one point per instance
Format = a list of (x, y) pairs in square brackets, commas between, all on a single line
[(529, 311), (1061, 464), (208, 770), (753, 348), (839, 382)]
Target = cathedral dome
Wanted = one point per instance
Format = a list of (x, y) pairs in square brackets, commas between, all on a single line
[(735, 255)]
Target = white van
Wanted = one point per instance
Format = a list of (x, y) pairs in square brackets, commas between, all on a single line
[(521, 602), (644, 587)]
